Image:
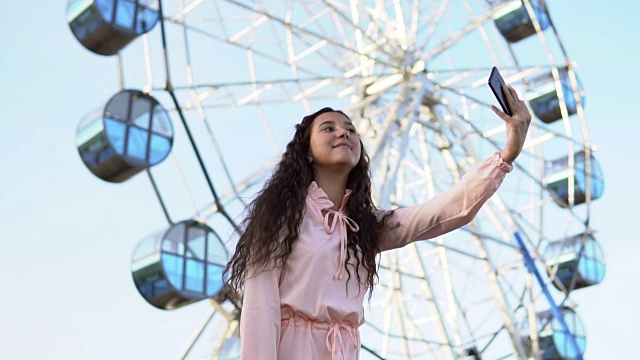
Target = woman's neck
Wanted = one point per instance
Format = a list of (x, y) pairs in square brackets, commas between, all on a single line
[(333, 184)]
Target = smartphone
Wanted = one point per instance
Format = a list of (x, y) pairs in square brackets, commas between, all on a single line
[(496, 83)]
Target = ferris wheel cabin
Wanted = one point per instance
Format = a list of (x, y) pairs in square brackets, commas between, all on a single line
[(133, 133), (179, 266), (514, 22), (562, 180), (577, 262), (553, 342), (106, 26), (544, 97)]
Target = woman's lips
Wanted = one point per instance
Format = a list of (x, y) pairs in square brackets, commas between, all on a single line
[(342, 145)]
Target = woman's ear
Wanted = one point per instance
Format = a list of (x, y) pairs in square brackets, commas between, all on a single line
[(310, 158)]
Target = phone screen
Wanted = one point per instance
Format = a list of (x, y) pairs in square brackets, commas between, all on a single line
[(496, 83)]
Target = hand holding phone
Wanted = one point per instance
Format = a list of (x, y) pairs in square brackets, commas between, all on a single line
[(515, 114), (497, 84)]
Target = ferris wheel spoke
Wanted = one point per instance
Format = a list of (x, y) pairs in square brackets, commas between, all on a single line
[(239, 191), (507, 316), (433, 25), (397, 303), (408, 332), (302, 31), (365, 43), (222, 95), (414, 23), (483, 33), (250, 48), (184, 11), (399, 118), (450, 295), (434, 308), (388, 178), (361, 34), (233, 41), (454, 38), (441, 250), (379, 22), (185, 352)]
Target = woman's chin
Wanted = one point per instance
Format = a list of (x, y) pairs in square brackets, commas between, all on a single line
[(339, 165)]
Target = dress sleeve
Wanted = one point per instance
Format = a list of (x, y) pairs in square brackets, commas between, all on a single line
[(260, 316), (448, 210)]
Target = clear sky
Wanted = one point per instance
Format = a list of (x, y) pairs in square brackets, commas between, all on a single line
[(65, 288)]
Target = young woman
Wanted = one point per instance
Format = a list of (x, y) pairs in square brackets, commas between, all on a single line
[(307, 256)]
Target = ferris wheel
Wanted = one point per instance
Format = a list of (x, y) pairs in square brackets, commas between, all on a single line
[(211, 89)]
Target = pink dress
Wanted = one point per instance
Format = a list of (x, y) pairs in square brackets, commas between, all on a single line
[(310, 311)]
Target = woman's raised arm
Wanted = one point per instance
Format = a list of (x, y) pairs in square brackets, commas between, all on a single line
[(447, 211)]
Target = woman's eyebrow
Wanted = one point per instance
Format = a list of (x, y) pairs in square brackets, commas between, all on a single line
[(327, 122), (333, 122)]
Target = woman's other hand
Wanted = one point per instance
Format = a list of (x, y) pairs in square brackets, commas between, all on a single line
[(517, 125)]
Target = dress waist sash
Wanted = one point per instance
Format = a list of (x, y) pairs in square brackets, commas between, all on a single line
[(335, 330)]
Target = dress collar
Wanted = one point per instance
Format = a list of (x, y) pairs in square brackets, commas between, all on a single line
[(322, 199)]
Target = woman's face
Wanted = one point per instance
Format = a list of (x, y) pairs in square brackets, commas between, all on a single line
[(334, 142)]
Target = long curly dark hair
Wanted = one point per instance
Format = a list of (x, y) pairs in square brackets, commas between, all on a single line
[(273, 222)]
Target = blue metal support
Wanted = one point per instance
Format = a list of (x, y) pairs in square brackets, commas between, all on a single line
[(557, 313)]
